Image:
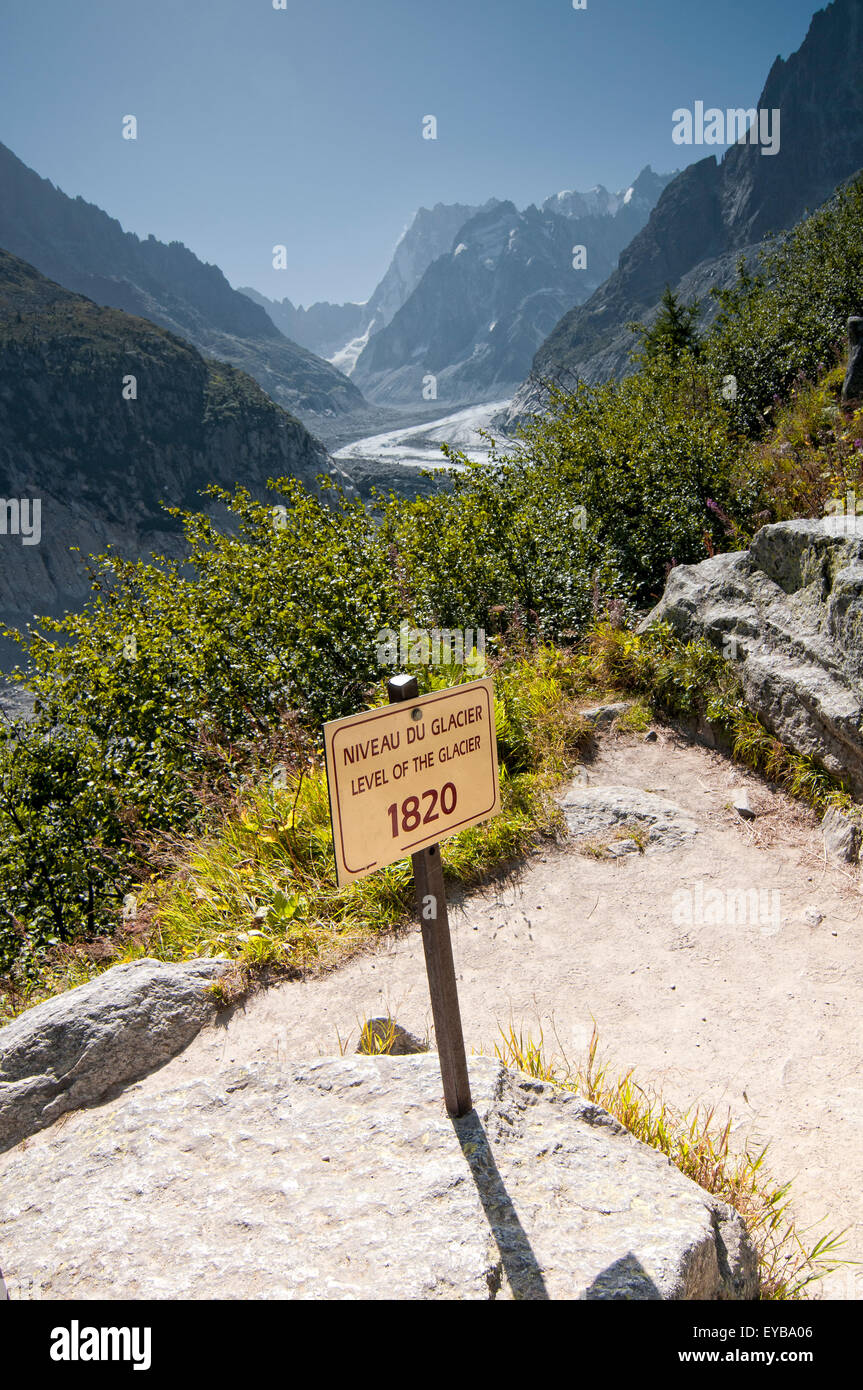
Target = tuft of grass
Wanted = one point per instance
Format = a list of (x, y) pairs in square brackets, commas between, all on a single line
[(697, 1142), (377, 1037), (637, 719), (599, 847)]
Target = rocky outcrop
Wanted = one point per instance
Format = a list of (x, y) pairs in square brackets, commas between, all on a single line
[(714, 211), (842, 837), (344, 1179), (788, 612), (82, 248), (77, 1048)]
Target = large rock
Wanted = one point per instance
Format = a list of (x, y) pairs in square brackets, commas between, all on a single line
[(610, 811), (344, 1178), (75, 1049), (842, 836), (789, 613)]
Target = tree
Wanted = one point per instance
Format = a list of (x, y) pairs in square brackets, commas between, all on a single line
[(673, 331)]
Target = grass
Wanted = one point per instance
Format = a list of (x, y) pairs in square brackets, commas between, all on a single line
[(378, 1037), (258, 886), (813, 457), (636, 719), (697, 1142), (691, 681)]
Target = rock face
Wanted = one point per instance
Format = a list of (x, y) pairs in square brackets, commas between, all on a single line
[(715, 211), (99, 463), (344, 1179), (329, 329), (81, 247), (852, 387), (789, 613), (75, 1049)]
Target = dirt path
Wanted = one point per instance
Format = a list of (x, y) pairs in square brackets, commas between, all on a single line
[(761, 1016)]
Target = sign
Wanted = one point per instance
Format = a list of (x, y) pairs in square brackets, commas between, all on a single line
[(406, 775)]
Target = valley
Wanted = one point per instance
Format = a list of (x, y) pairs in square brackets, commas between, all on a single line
[(395, 458)]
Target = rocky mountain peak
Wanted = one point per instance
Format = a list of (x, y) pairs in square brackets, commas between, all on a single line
[(716, 209)]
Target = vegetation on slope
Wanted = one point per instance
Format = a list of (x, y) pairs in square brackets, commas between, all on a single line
[(179, 689)]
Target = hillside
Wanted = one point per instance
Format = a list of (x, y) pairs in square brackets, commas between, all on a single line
[(101, 464), (82, 248)]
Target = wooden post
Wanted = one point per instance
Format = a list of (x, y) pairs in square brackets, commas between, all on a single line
[(437, 944)]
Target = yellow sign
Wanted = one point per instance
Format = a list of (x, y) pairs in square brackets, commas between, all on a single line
[(407, 775)]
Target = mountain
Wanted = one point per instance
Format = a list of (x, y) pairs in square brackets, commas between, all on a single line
[(98, 464), (480, 311), (597, 202), (82, 248), (714, 212), (430, 235), (323, 328), (340, 331)]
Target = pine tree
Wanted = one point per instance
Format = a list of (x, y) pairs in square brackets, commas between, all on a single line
[(673, 331)]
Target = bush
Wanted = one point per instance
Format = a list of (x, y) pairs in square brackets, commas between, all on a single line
[(651, 459), (786, 323)]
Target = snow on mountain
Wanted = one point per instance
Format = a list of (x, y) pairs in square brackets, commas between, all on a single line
[(480, 311)]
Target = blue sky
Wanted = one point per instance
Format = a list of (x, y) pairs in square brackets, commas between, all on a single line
[(302, 126)]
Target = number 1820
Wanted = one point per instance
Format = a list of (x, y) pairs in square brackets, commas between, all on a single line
[(410, 810)]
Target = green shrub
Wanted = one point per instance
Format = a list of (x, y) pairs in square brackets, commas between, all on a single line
[(786, 323)]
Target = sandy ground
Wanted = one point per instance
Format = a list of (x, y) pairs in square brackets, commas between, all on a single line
[(760, 1016)]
